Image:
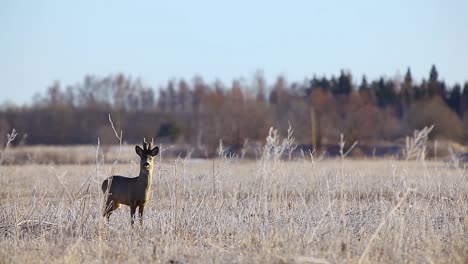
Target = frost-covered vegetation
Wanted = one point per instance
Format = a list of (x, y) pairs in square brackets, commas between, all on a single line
[(269, 210)]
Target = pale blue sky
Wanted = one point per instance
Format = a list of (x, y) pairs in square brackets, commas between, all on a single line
[(43, 41)]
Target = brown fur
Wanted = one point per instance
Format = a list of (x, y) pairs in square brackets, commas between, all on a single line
[(134, 192)]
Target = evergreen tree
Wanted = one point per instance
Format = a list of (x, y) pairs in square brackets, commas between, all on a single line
[(344, 84), (407, 93), (420, 91), (464, 100), (364, 85), (433, 74), (324, 84), (365, 92), (454, 100), (434, 86), (385, 93), (333, 85)]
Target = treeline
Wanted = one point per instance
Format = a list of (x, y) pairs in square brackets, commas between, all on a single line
[(199, 113)]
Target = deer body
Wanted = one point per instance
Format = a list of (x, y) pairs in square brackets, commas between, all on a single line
[(134, 192)]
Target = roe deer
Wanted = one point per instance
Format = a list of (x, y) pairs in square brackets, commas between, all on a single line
[(134, 192)]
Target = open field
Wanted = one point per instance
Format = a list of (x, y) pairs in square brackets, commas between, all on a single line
[(226, 210)]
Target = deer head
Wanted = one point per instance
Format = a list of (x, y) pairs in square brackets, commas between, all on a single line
[(146, 155)]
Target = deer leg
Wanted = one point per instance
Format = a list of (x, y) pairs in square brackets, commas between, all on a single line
[(132, 212), (140, 212)]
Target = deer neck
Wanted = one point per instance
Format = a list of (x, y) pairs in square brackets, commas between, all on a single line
[(145, 177)]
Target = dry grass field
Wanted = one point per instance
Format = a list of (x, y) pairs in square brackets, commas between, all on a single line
[(232, 211)]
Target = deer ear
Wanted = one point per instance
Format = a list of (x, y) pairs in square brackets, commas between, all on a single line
[(155, 151), (138, 150)]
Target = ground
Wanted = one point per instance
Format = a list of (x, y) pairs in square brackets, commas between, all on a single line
[(233, 211)]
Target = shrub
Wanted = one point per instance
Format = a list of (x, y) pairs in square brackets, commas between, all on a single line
[(434, 111)]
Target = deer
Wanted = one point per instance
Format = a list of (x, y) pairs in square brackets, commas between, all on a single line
[(134, 192)]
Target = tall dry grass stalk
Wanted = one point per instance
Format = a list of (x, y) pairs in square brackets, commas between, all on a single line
[(415, 147), (10, 138)]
